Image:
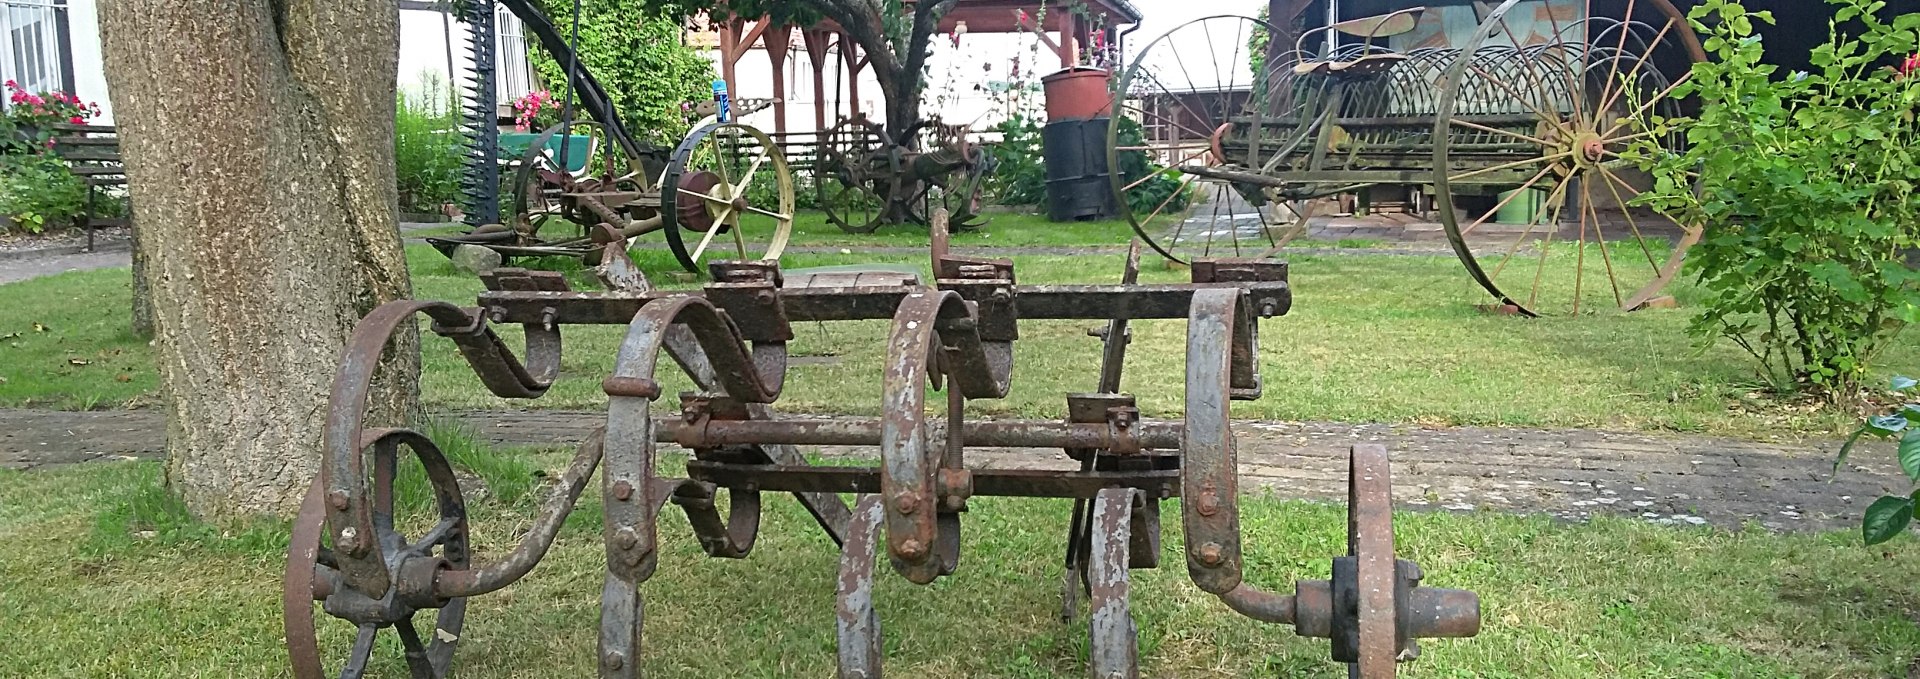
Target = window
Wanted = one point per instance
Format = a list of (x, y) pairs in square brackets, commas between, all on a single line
[(33, 49), (512, 74)]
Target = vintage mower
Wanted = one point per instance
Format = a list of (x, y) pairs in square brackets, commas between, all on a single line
[(953, 340), (1527, 134), (864, 180)]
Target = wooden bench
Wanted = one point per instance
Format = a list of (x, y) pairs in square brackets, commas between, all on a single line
[(92, 153)]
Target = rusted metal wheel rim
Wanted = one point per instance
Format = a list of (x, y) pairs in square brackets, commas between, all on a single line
[(1593, 93), (1159, 69), (1370, 542), (428, 658), (847, 194), (748, 164)]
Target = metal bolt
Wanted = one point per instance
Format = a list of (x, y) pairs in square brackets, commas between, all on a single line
[(1211, 554), (1268, 308), (911, 549), (1208, 504), (349, 542), (499, 314), (615, 660), (1002, 294), (622, 490), (626, 538), (338, 499), (906, 502), (764, 296)]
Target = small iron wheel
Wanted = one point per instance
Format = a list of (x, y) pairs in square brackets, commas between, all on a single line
[(727, 178)]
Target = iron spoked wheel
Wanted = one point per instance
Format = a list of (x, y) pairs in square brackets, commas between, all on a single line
[(843, 170), (310, 565), (1179, 215), (593, 162), (1554, 126), (727, 179)]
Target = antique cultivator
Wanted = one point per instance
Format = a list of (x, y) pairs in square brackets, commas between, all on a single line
[(864, 179), (724, 191), (1527, 134), (953, 338)]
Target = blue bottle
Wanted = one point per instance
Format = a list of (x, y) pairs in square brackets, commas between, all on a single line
[(723, 105)]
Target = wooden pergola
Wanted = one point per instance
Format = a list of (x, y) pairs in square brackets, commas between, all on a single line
[(1064, 33)]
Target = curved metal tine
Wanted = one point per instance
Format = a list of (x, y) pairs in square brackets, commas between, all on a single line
[(857, 623), (356, 666), (1113, 650)]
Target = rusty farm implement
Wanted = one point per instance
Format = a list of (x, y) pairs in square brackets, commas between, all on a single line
[(1518, 128), (952, 340)]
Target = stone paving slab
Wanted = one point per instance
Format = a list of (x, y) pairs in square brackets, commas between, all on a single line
[(1570, 474)]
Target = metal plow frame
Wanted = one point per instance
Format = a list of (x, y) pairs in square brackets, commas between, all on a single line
[(954, 337)]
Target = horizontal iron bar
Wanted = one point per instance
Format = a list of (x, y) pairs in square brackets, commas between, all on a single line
[(986, 482), (866, 432), (1069, 302)]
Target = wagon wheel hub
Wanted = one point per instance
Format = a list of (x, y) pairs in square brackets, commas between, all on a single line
[(1592, 147)]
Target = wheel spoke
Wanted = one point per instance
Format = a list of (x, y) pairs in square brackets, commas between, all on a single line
[(1649, 104), (1627, 212), (1496, 130), (1508, 166), (740, 189), (1610, 93), (767, 213), (1600, 238), (1524, 188), (417, 661), (362, 650), (433, 536), (1550, 118), (1531, 223)]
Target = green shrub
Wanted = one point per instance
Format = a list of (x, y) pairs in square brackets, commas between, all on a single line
[(427, 148), (1020, 173), (1143, 199), (37, 192), (1805, 183), (638, 56)]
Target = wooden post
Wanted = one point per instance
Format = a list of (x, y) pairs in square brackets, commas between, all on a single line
[(779, 40), (850, 51), (1069, 40), (736, 37), (816, 42)]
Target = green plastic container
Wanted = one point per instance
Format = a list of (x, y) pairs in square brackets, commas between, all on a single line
[(513, 145), (1522, 210)]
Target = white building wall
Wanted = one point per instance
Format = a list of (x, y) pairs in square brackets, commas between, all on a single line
[(89, 67), (966, 85)]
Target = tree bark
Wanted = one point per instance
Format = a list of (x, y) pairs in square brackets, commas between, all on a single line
[(142, 295), (258, 141)]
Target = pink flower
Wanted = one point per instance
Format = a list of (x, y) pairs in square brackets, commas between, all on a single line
[(11, 83), (1911, 66), (77, 120)]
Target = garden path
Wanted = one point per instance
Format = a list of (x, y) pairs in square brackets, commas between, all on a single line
[(1570, 474)]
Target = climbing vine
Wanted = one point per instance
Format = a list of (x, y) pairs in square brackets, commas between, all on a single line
[(638, 57)]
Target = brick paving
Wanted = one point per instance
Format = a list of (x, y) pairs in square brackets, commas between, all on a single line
[(1571, 474)]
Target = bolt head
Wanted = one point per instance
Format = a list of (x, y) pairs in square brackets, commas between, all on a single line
[(1208, 504), (626, 538), (615, 660), (764, 296), (906, 503), (338, 500), (911, 549), (1211, 554), (623, 490)]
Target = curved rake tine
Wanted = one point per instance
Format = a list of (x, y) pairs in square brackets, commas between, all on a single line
[(857, 622)]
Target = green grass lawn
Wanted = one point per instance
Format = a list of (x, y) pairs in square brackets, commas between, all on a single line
[(1371, 339), (103, 577)]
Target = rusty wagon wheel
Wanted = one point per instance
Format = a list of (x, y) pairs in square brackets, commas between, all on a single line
[(1551, 116), (843, 175), (731, 179), (594, 162), (310, 574), (1195, 111)]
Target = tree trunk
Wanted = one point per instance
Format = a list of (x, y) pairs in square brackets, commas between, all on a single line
[(258, 140), (142, 295)]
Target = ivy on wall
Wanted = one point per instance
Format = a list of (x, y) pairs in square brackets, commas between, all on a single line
[(638, 57)]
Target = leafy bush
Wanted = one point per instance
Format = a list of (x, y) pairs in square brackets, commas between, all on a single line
[(638, 56), (1805, 183), (427, 149), (1020, 175), (1888, 516), (37, 192)]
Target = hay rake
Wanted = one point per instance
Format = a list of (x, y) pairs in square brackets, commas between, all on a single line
[(955, 339)]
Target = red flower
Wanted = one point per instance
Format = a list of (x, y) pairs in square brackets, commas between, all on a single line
[(77, 120), (1911, 66)]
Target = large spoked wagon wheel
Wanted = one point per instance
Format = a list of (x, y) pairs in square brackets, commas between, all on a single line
[(1549, 132), (843, 175), (310, 574), (1195, 110), (728, 187), (594, 162)]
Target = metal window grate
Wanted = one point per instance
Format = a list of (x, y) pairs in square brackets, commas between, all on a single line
[(513, 74), (32, 52)]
